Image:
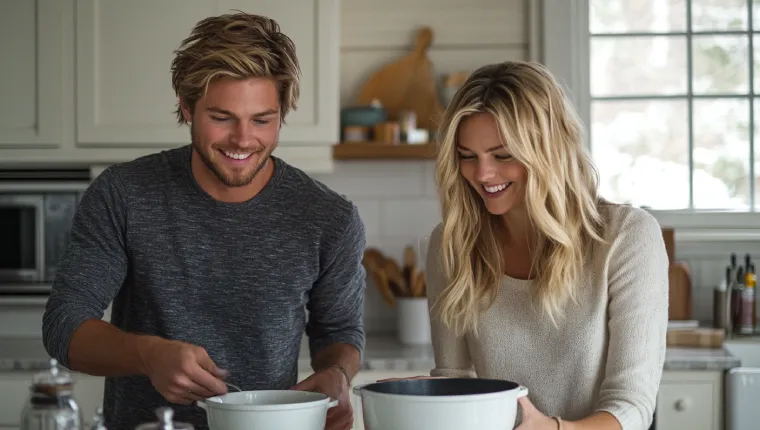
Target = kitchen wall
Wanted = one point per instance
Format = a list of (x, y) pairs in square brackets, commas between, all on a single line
[(397, 198), (707, 260)]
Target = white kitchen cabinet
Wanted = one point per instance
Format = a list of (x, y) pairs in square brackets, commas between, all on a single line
[(124, 52), (690, 400), (89, 81), (14, 391), (33, 36)]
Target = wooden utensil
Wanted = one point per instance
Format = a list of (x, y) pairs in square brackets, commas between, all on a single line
[(410, 261), (373, 257), (417, 283), (407, 84), (401, 285), (383, 285)]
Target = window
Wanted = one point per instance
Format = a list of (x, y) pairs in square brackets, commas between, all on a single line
[(672, 102), (667, 89)]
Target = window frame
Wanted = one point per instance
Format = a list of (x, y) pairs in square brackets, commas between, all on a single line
[(562, 38)]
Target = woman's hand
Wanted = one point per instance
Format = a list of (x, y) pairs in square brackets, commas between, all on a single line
[(533, 419)]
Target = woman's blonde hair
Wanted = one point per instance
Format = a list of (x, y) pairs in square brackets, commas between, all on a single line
[(545, 135), (239, 46)]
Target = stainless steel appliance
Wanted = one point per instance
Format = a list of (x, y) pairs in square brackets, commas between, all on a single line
[(36, 212)]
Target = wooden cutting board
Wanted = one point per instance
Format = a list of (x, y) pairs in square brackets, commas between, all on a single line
[(679, 292), (408, 84)]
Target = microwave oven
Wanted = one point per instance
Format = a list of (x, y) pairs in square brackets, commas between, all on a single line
[(36, 213)]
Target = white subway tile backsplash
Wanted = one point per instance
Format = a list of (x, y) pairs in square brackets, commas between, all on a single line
[(393, 246), (430, 187), (361, 180), (369, 210), (409, 217)]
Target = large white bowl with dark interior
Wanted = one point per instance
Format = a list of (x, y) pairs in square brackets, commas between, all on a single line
[(440, 404)]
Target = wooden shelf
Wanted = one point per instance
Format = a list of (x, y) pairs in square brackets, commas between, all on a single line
[(383, 151)]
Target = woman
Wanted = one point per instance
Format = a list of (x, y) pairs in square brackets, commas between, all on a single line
[(531, 276)]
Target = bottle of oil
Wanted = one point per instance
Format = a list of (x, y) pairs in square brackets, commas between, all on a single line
[(736, 299), (747, 309)]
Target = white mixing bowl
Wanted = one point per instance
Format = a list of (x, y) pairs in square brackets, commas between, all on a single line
[(440, 404), (268, 410)]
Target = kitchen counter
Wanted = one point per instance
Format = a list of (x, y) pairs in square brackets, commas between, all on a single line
[(677, 358), (382, 353)]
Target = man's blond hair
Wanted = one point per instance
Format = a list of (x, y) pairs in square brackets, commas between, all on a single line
[(238, 46)]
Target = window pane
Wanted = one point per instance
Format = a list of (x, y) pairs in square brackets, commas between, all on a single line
[(721, 64), (641, 150), (712, 15), (659, 66), (626, 16), (755, 14), (721, 154)]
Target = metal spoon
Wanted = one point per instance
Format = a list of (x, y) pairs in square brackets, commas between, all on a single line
[(233, 386)]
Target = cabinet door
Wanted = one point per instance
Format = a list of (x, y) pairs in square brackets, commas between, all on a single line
[(33, 37), (124, 53), (690, 400), (14, 390)]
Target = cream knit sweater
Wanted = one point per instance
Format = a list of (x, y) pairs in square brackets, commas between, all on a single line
[(608, 352)]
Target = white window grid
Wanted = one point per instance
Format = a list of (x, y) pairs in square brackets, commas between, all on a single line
[(689, 96)]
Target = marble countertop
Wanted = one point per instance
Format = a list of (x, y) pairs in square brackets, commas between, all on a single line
[(382, 353), (677, 358)]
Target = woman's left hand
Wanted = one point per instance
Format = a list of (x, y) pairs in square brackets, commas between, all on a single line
[(533, 419)]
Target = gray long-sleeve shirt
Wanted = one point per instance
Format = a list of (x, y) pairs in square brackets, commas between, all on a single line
[(236, 279)]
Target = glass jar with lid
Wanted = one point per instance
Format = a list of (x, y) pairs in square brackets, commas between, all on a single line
[(165, 416), (51, 404), (98, 423)]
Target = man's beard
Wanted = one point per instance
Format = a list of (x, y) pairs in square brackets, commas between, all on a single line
[(231, 181)]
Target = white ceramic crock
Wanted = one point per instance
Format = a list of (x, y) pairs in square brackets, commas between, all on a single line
[(268, 410), (413, 321), (490, 411)]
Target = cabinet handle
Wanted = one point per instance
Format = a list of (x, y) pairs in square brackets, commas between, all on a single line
[(682, 404)]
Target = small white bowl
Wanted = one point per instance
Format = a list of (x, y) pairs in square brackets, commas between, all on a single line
[(268, 409)]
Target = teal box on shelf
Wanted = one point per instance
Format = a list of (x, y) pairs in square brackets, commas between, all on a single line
[(365, 116)]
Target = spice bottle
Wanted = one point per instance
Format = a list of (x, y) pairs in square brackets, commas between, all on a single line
[(747, 310)]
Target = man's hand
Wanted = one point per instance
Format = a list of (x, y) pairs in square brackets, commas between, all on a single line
[(181, 372), (332, 382)]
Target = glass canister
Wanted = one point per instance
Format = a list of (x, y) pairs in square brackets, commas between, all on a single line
[(98, 423), (165, 416), (51, 404)]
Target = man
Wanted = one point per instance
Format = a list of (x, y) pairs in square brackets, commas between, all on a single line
[(213, 252)]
